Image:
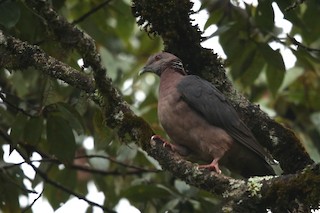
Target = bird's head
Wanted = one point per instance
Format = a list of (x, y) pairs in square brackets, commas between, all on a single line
[(159, 62)]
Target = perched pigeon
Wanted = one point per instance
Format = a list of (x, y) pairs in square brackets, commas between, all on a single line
[(200, 121)]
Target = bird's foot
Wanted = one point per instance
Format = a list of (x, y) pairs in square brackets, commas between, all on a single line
[(212, 166), (181, 150), (165, 143)]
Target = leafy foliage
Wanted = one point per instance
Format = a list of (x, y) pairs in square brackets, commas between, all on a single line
[(43, 115)]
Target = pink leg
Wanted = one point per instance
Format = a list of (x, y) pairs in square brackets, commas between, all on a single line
[(212, 166)]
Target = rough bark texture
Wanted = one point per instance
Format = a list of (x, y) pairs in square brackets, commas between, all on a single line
[(170, 19), (16, 54)]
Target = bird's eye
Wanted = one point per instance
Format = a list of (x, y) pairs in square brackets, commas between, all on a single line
[(157, 57)]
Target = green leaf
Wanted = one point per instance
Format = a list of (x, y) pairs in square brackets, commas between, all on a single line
[(33, 130), (27, 31), (303, 59), (89, 209), (230, 41), (306, 60), (241, 63), (171, 205), (72, 116), (9, 14), (64, 177), (125, 22), (275, 67), (143, 193), (102, 135), (214, 18), (264, 15), (38, 179), (291, 76), (127, 152), (181, 186), (253, 71), (16, 133), (293, 17), (221, 30), (60, 138), (9, 195), (19, 84), (310, 32), (274, 77), (273, 57)]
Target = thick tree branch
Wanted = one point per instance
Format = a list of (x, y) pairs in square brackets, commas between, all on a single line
[(117, 112), (249, 195), (170, 19), (16, 54)]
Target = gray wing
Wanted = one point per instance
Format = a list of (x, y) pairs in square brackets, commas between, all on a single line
[(212, 105)]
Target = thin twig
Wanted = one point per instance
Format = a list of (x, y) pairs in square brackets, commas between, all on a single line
[(136, 171), (91, 12), (47, 158), (21, 187), (113, 172), (32, 55), (11, 165), (281, 41), (115, 161), (33, 202), (4, 99), (299, 44), (67, 190), (295, 4)]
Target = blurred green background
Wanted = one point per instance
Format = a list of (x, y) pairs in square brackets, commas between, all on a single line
[(54, 119)]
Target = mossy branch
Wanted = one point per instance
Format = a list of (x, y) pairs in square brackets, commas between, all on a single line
[(116, 111), (256, 194), (16, 54), (171, 20), (177, 33)]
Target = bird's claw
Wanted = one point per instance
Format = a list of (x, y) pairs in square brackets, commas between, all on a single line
[(165, 144), (212, 166)]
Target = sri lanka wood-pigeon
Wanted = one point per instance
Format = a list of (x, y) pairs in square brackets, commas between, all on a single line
[(200, 121)]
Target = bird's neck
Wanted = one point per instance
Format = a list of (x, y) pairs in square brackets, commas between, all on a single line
[(168, 81)]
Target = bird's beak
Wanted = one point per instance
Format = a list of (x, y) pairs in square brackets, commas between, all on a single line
[(144, 70)]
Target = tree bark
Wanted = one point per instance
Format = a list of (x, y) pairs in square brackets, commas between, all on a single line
[(170, 19)]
